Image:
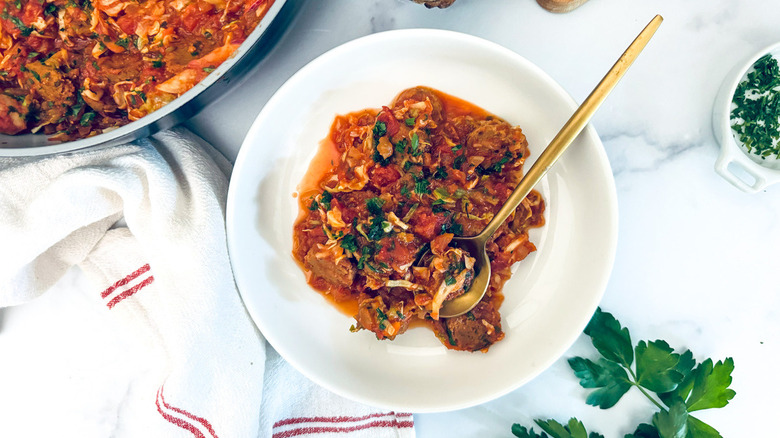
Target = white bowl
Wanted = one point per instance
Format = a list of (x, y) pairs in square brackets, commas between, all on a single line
[(550, 298), (744, 170)]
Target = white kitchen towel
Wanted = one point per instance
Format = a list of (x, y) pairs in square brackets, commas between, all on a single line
[(146, 222)]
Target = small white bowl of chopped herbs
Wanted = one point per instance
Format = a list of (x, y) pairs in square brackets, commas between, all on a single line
[(746, 121)]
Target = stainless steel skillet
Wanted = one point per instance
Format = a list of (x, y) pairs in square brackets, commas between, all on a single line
[(231, 72)]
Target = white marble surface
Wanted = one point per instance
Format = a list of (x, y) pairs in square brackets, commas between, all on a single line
[(696, 262)]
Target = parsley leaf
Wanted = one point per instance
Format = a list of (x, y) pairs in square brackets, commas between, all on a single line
[(422, 187), (325, 199), (644, 430), (374, 206), (610, 339), (658, 368), (349, 242), (711, 385), (672, 423), (609, 377), (673, 377), (414, 148), (441, 173), (574, 429)]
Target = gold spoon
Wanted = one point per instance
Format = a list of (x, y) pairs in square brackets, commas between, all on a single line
[(476, 245)]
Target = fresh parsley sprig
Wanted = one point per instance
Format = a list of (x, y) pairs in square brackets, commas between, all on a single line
[(671, 381)]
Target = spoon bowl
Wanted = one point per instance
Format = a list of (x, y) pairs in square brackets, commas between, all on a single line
[(475, 245)]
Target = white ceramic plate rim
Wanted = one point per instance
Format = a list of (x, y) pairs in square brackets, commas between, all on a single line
[(240, 229)]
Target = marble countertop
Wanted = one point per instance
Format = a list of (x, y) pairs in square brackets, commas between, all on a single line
[(696, 260)]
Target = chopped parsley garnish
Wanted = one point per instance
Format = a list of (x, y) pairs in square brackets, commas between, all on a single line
[(405, 191), (414, 148), (377, 228), (157, 64), (458, 161), (26, 31), (422, 187), (314, 205), (449, 280), (437, 206), (400, 147), (381, 318), (756, 117), (208, 69), (380, 129), (375, 206), (452, 227), (441, 173), (349, 243), (87, 118), (123, 42), (325, 199), (457, 147), (409, 121), (497, 167)]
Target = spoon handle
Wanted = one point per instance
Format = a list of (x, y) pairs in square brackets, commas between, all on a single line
[(572, 128)]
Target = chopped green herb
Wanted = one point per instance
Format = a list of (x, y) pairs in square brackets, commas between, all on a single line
[(349, 243), (380, 129), (381, 318), (26, 31), (400, 147), (123, 42), (405, 191), (422, 187), (458, 162), (441, 173), (377, 228), (208, 69), (314, 205), (157, 64), (325, 199), (87, 118), (375, 206), (409, 121), (756, 116), (414, 148), (457, 147), (449, 280)]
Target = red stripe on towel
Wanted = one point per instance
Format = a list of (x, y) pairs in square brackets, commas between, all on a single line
[(343, 429), (181, 422), (128, 293), (143, 269), (298, 420), (175, 420)]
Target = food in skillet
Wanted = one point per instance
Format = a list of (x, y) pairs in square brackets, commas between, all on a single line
[(435, 3), (388, 184), (74, 68)]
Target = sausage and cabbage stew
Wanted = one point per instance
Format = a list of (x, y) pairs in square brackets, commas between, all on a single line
[(74, 68), (390, 184)]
